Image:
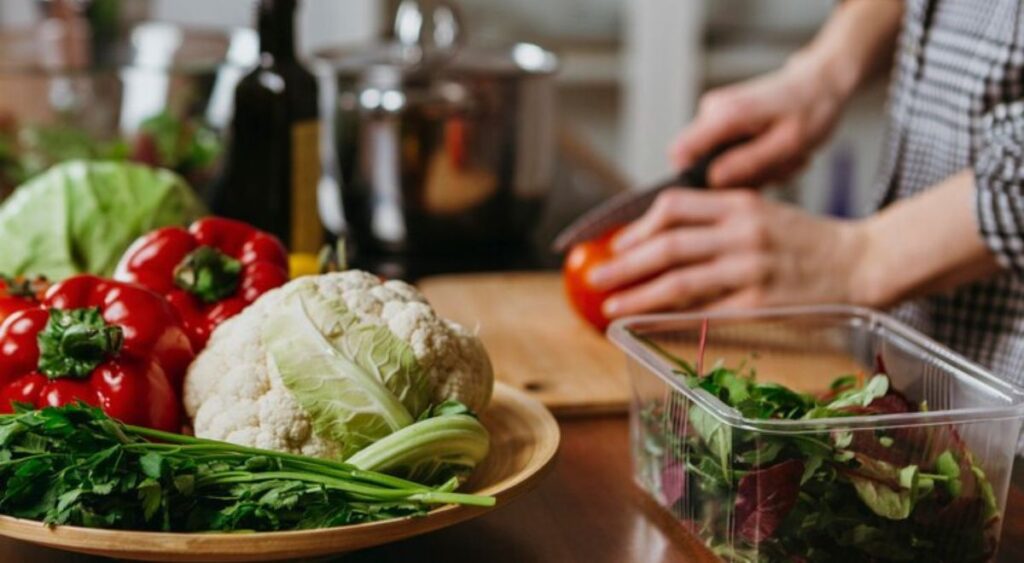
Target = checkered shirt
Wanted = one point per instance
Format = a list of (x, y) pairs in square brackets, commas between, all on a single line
[(957, 102)]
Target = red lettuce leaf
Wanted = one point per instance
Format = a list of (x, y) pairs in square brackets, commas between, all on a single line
[(765, 497), (673, 482), (893, 402), (702, 346), (880, 364), (867, 443)]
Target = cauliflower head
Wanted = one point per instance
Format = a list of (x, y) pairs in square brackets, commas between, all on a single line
[(233, 393)]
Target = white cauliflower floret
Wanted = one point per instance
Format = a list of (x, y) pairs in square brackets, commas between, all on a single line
[(233, 394)]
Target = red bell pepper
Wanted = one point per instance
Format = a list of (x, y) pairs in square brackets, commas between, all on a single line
[(209, 272), (114, 345), (18, 294)]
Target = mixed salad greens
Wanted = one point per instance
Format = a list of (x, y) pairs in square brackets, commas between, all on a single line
[(74, 465), (885, 494), (185, 146)]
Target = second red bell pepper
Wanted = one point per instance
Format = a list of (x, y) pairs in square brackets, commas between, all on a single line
[(114, 345), (209, 272)]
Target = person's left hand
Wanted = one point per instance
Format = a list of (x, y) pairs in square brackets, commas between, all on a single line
[(728, 249)]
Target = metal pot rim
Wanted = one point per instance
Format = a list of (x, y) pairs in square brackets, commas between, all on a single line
[(520, 59)]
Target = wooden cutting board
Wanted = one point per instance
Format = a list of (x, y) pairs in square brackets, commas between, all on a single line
[(535, 340)]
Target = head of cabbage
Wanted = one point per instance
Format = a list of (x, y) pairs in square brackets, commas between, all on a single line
[(80, 216), (348, 367)]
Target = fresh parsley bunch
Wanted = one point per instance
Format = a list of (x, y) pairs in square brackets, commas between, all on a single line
[(74, 465)]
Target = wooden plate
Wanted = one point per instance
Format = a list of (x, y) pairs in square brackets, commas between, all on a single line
[(524, 440)]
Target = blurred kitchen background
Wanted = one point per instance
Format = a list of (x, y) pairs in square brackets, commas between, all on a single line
[(629, 75)]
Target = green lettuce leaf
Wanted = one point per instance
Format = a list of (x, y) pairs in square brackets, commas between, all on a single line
[(883, 544), (80, 216), (390, 359), (374, 348), (348, 404), (889, 491), (877, 387), (715, 434), (988, 494), (947, 465)]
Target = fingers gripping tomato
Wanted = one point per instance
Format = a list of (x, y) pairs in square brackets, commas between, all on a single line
[(581, 259), (209, 272), (114, 345)]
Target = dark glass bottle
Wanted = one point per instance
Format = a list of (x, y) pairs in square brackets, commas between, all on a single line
[(273, 161)]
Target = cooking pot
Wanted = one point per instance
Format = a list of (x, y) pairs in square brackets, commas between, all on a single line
[(435, 145)]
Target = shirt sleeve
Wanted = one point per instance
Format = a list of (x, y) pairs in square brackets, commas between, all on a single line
[(999, 178)]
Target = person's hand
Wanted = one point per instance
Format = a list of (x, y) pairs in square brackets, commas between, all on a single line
[(786, 114), (728, 249)]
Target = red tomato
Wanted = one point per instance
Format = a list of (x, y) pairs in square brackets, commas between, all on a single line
[(581, 259)]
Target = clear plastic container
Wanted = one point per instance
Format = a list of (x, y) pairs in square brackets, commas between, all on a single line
[(925, 485)]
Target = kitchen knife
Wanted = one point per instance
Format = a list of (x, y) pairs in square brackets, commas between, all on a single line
[(629, 206)]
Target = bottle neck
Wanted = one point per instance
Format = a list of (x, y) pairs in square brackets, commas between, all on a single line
[(277, 30)]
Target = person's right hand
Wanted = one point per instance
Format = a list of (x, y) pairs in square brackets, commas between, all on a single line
[(786, 114)]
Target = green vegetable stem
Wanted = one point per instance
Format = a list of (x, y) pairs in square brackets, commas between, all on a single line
[(208, 274), (75, 342)]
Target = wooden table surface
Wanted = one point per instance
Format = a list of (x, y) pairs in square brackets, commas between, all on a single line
[(586, 510)]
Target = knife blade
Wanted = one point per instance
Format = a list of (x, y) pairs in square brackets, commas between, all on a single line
[(629, 206)]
